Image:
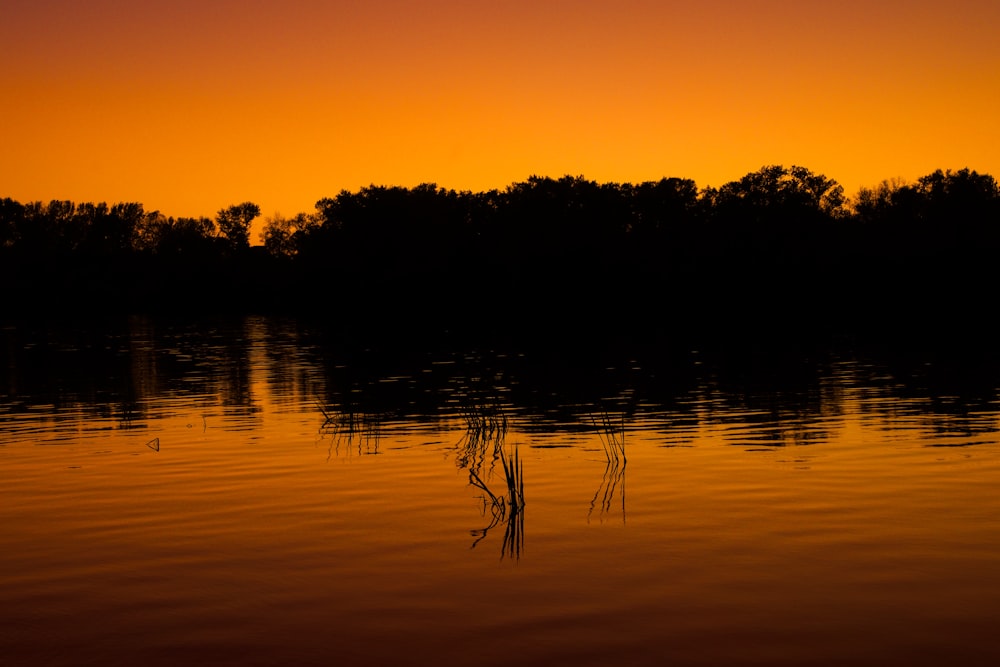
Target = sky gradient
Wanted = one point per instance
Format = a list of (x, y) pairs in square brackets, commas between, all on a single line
[(191, 105)]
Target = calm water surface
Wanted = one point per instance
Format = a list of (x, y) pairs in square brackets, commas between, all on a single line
[(246, 493)]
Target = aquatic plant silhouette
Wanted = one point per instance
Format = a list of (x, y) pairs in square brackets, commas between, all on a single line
[(507, 507), (352, 429), (612, 435), (485, 431), (484, 440)]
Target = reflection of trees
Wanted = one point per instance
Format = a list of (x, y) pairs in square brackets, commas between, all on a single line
[(236, 390), (291, 363), (117, 368), (962, 430), (114, 367), (766, 398)]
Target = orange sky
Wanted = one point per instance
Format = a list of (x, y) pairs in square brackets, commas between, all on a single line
[(191, 105)]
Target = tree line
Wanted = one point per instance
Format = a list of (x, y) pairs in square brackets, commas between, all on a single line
[(543, 245)]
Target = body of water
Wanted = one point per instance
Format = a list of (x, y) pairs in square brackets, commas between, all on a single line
[(250, 492)]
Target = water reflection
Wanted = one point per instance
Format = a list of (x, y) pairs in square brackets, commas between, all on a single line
[(131, 374), (611, 492), (506, 506), (794, 503), (357, 432), (485, 432)]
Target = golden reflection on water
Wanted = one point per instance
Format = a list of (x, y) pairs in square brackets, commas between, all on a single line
[(280, 521)]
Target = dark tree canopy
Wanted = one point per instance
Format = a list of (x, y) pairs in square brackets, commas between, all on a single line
[(778, 194), (567, 247), (234, 223), (284, 237)]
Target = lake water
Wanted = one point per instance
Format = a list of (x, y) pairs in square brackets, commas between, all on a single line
[(254, 492)]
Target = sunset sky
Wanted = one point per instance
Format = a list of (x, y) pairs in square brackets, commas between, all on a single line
[(190, 105)]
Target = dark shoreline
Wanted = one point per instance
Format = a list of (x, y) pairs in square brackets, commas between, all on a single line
[(779, 259)]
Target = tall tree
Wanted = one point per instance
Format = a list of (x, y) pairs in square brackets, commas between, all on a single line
[(234, 223)]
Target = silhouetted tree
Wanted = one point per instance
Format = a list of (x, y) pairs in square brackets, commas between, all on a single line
[(876, 204), (663, 205), (393, 230), (554, 219), (282, 236), (963, 197), (108, 232), (183, 237), (11, 222), (234, 223), (773, 213), (945, 212), (565, 245), (774, 193), (50, 228), (665, 217)]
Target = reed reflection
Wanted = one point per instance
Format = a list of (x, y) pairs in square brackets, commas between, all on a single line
[(506, 506), (612, 434), (482, 443), (357, 431), (485, 432)]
